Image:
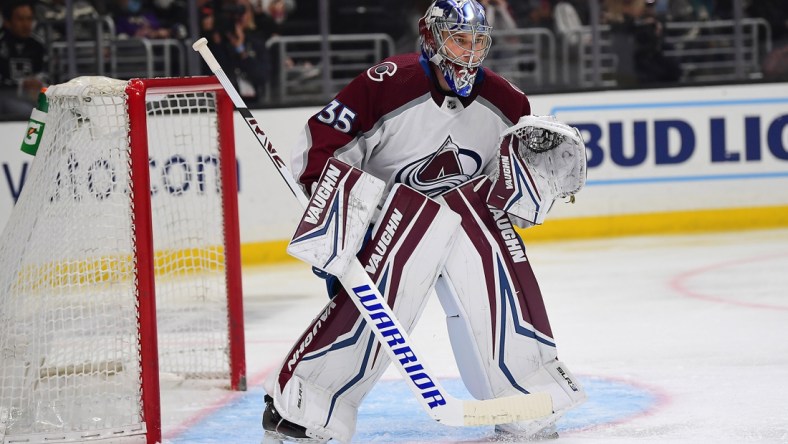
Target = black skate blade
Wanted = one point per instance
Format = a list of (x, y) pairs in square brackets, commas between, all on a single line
[(271, 437)]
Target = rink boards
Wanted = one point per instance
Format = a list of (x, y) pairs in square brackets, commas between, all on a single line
[(667, 160)]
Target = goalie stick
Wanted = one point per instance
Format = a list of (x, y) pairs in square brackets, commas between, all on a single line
[(434, 399)]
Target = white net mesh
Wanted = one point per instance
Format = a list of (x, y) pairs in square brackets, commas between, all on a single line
[(69, 346), (187, 221)]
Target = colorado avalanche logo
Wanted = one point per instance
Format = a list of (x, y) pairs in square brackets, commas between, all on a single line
[(379, 71), (447, 168)]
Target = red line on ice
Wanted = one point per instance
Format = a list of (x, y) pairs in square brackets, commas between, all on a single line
[(661, 399), (186, 424), (678, 283)]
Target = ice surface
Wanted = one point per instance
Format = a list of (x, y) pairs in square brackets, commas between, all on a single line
[(678, 339)]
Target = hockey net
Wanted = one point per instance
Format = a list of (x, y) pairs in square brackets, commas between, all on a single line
[(132, 194)]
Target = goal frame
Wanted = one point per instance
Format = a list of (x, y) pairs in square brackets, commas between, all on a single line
[(83, 333), (136, 91)]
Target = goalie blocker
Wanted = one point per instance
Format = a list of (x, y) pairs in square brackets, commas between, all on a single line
[(338, 215)]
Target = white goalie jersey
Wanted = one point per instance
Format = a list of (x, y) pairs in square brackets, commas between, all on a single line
[(393, 122)]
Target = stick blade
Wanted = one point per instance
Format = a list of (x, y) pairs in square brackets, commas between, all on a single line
[(507, 409)]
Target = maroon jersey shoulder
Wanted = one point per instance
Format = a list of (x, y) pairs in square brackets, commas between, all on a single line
[(498, 91), (385, 87), (359, 106)]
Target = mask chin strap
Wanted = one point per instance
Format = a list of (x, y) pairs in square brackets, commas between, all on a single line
[(437, 59)]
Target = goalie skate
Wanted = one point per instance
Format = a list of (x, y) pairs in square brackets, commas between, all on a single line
[(279, 430), (543, 429), (547, 433), (280, 438)]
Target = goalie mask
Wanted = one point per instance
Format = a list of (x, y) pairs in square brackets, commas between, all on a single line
[(455, 36)]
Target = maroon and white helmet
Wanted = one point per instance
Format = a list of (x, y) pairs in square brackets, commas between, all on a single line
[(455, 36)]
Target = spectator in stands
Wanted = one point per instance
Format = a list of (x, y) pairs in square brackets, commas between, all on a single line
[(302, 19), (704, 9), (274, 19), (408, 39), (172, 15), (775, 64), (638, 40), (22, 60), (136, 18), (539, 14), (270, 16), (54, 12), (269, 19), (499, 14), (503, 55), (276, 10), (692, 10), (567, 22), (230, 28)]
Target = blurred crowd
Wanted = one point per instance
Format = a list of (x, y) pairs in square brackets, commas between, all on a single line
[(238, 30)]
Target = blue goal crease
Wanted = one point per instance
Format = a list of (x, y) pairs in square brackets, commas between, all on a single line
[(390, 414)]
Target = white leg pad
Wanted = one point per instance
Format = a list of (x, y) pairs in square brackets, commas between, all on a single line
[(337, 360), (337, 218), (496, 317), (566, 391), (555, 378), (461, 336), (304, 402)]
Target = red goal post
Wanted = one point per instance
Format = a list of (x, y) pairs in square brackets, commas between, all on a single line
[(121, 260)]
